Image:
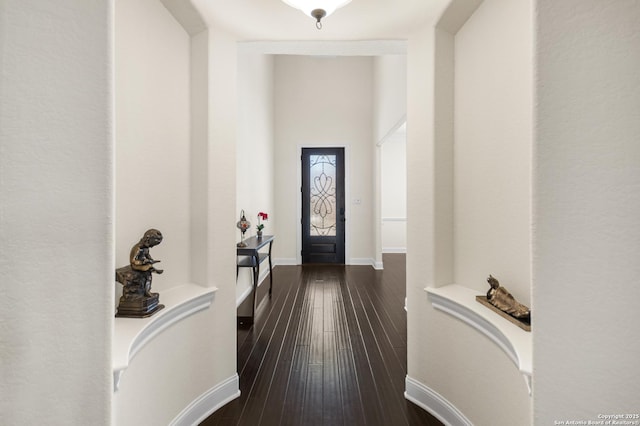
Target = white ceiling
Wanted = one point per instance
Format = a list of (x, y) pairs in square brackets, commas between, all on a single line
[(274, 20)]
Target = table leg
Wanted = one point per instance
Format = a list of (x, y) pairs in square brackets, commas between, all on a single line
[(270, 269), (270, 274), (256, 275)]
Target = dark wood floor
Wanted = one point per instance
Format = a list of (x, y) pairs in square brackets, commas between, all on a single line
[(328, 348)]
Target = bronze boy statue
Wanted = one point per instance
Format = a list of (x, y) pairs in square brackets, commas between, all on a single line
[(137, 301)]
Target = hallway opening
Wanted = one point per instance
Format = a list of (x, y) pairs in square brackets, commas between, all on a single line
[(328, 348)]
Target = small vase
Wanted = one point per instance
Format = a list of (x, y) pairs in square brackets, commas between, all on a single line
[(259, 234)]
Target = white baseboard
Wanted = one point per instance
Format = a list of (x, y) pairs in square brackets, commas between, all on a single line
[(362, 261), (264, 273), (207, 403), (434, 403), (244, 296), (353, 261), (394, 249)]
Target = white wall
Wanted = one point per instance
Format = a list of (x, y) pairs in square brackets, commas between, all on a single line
[(199, 156), (221, 200), (492, 150), (324, 101), (56, 171), (255, 159), (393, 154), (175, 110), (586, 204), (390, 108), (389, 112), (420, 189), (152, 136), (449, 127), (255, 169)]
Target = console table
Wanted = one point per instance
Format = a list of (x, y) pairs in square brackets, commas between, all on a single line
[(251, 257)]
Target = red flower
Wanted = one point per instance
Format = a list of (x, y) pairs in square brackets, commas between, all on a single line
[(263, 216)]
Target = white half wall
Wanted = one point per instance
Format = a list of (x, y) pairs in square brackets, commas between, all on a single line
[(586, 204), (171, 372), (324, 101), (56, 212)]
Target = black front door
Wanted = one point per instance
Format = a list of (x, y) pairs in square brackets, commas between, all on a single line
[(323, 203)]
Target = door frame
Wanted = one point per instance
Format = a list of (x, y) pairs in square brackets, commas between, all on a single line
[(347, 193)]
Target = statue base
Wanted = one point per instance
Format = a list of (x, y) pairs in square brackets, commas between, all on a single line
[(139, 307), (136, 300), (522, 323)]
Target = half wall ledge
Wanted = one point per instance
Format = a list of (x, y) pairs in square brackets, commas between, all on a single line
[(130, 335), (460, 302)]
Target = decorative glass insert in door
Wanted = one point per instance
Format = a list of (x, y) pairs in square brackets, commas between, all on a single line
[(322, 170)]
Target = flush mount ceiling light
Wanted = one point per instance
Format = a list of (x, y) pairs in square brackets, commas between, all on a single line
[(317, 9)]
